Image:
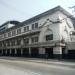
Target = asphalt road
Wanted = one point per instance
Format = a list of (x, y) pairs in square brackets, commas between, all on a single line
[(16, 67)]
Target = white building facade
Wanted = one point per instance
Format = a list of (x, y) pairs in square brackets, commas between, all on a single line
[(46, 35)]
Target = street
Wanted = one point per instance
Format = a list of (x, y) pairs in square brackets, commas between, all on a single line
[(18, 67)]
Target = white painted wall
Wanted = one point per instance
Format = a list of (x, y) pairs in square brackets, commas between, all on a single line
[(54, 27), (57, 29), (66, 24)]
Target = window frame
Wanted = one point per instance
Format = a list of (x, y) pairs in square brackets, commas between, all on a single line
[(49, 37)]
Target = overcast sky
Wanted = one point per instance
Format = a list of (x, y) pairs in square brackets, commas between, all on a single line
[(24, 9)]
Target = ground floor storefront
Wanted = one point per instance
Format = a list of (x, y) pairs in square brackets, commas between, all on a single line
[(36, 52)]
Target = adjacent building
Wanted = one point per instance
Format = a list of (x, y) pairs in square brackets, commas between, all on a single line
[(8, 24), (50, 34)]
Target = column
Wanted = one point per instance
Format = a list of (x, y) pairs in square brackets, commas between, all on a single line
[(1, 52), (5, 52), (21, 41), (10, 43), (29, 51), (57, 51), (30, 40), (15, 42), (66, 53), (42, 52), (15, 51), (10, 51), (21, 51)]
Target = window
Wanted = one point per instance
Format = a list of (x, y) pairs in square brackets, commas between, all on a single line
[(34, 39), (4, 44), (0, 44), (26, 28), (73, 33), (4, 35), (8, 43), (13, 43), (19, 31), (18, 42), (9, 34), (13, 32), (49, 37), (26, 41), (35, 26)]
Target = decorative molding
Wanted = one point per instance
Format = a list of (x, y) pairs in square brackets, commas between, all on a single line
[(48, 20)]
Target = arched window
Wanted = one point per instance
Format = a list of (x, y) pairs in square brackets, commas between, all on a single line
[(49, 35)]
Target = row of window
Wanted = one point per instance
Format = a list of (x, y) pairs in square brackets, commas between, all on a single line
[(19, 30), (25, 41), (18, 41)]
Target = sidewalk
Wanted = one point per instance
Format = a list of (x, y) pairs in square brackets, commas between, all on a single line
[(53, 62), (65, 63)]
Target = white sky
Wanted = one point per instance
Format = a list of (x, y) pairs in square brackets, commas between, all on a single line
[(24, 9)]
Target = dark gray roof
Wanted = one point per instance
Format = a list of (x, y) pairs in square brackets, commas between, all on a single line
[(35, 18), (73, 20), (11, 22), (51, 11)]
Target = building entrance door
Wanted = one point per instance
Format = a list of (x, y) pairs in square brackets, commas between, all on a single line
[(49, 52), (34, 52), (18, 52), (26, 52), (4, 52), (71, 54), (12, 52)]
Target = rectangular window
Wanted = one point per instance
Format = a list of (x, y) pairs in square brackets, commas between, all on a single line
[(18, 42), (49, 37), (13, 43), (36, 25), (8, 43), (0, 44), (33, 27), (4, 44), (4, 35), (19, 31), (9, 34), (26, 28), (13, 32), (34, 39), (26, 41)]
